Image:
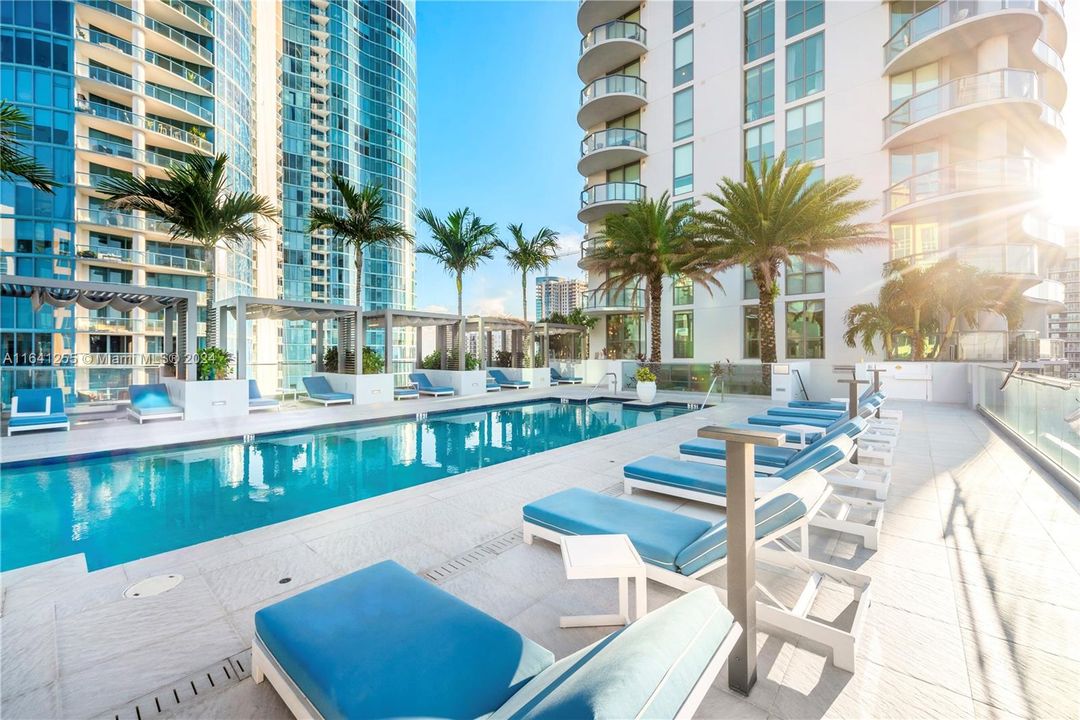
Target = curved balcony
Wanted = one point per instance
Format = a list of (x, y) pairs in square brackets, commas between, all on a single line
[(105, 115), (183, 15), (109, 152), (108, 219), (599, 201), (954, 26), (163, 101), (104, 48), (1056, 31), (1053, 78), (170, 41), (163, 69), (1048, 292), (610, 97), (591, 13), (106, 83), (1019, 262), (611, 148), (609, 46), (618, 301), (184, 138), (1039, 228), (964, 103), (102, 254), (1000, 181)]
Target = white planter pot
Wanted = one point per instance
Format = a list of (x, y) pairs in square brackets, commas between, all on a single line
[(646, 391)]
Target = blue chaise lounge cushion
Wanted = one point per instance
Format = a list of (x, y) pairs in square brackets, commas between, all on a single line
[(657, 534), (680, 473), (152, 399), (717, 450), (422, 383), (644, 670), (500, 377), (381, 643), (318, 386), (34, 401)]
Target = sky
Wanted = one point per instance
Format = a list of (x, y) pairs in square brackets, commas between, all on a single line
[(498, 91)]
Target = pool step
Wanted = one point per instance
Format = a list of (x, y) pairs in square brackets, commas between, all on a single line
[(176, 695)]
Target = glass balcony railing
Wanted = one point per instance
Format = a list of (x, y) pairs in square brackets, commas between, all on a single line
[(102, 110), (591, 245), (1048, 56), (94, 324), (92, 180), (613, 85), (108, 218), (180, 101), (177, 133), (96, 37), (1043, 411), (178, 69), (159, 159), (1042, 229), (614, 30), (612, 192), (969, 90), (997, 259), (111, 7), (611, 138), (941, 16), (108, 253), (963, 177), (106, 147), (179, 38), (627, 298), (191, 14)]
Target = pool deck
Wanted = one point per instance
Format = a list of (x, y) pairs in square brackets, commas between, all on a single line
[(976, 584)]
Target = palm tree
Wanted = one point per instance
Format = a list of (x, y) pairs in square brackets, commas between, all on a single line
[(647, 243), (13, 161), (459, 243), (529, 254), (774, 215), (362, 225), (915, 290), (868, 321), (199, 207)]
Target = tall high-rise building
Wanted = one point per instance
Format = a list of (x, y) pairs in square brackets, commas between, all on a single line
[(558, 295), (946, 111), (1065, 326), (115, 88)]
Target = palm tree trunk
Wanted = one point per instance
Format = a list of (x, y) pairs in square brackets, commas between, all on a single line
[(766, 329), (525, 297), (916, 335), (459, 294), (212, 339), (656, 294), (359, 278)]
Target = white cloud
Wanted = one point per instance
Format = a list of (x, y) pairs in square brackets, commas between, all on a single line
[(570, 244), (435, 308), (489, 306)]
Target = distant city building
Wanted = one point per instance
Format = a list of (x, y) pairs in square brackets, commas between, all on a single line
[(558, 295), (1065, 326)]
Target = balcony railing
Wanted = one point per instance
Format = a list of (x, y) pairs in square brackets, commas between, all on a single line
[(179, 38), (612, 192), (93, 324), (613, 137), (1048, 56), (92, 180), (627, 298), (111, 7), (613, 85), (177, 69), (969, 90), (110, 77), (106, 147), (96, 37), (106, 253), (614, 30), (965, 176), (191, 14), (177, 133), (108, 112), (998, 259), (178, 100), (1042, 229), (108, 218), (941, 16)]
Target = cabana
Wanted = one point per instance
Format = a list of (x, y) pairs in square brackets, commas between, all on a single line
[(449, 336)]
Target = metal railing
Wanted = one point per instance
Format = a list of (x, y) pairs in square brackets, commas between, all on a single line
[(191, 14), (941, 16), (179, 101), (626, 298), (614, 30), (613, 138), (999, 259), (613, 85), (967, 176), (177, 133), (612, 192), (178, 69), (107, 147), (178, 37), (96, 37)]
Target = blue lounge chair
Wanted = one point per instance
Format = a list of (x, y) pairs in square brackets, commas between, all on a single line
[(865, 410), (559, 379), (874, 401), (500, 378), (679, 550), (381, 643), (424, 386), (319, 390), (768, 460), (38, 409), (830, 404), (406, 393), (492, 386), (257, 402), (152, 402)]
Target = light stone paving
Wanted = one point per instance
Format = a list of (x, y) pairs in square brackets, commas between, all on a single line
[(976, 587)]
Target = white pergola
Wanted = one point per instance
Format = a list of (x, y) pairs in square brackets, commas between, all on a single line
[(388, 319), (180, 308), (516, 335)]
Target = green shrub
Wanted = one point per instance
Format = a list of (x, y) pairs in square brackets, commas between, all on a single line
[(432, 361), (214, 363), (330, 360), (373, 362)]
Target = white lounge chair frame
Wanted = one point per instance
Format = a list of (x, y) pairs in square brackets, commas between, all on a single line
[(265, 667), (792, 619), (132, 412)]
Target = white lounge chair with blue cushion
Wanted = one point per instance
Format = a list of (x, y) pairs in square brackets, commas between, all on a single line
[(500, 377), (424, 386), (38, 409), (152, 402), (493, 386), (679, 550), (383, 643), (406, 393), (791, 415), (830, 404), (257, 402), (319, 390), (559, 379)]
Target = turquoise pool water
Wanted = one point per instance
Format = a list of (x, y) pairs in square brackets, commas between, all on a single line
[(121, 508)]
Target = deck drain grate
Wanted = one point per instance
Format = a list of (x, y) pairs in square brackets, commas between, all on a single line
[(614, 491), (479, 554), (176, 695)]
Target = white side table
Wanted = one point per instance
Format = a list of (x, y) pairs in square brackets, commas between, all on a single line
[(592, 557), (803, 431)]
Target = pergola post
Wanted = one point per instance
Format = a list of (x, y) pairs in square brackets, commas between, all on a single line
[(169, 344), (359, 333), (388, 339), (191, 342), (488, 357), (440, 345), (741, 567), (343, 347), (320, 338), (420, 346), (547, 345), (481, 352), (241, 338), (222, 339), (461, 343)]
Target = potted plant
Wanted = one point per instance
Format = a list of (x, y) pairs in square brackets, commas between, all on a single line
[(646, 384), (214, 363), (373, 362)]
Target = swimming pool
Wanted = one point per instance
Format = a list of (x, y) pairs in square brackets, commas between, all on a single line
[(121, 508)]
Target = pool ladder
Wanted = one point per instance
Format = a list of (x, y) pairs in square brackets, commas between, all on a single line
[(705, 402), (597, 385)]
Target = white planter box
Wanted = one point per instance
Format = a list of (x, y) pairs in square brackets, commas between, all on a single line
[(365, 389), (594, 370), (209, 399), (464, 382)]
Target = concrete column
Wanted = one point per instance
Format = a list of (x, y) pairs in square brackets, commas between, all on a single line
[(320, 338), (342, 348), (241, 339), (191, 340), (461, 344), (388, 339), (420, 345), (222, 339), (481, 344)]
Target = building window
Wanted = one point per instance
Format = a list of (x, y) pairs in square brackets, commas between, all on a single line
[(760, 31), (684, 58), (684, 14), (804, 277), (817, 174), (627, 173), (806, 132), (684, 169), (684, 113), (914, 238), (759, 85), (684, 334), (623, 336), (805, 329), (900, 11), (903, 85), (749, 285), (803, 15), (759, 143), (682, 290), (806, 67), (751, 332)]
